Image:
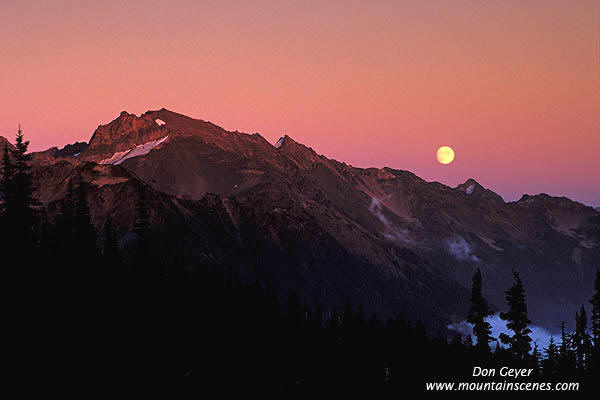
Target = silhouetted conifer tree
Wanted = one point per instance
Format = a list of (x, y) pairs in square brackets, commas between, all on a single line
[(7, 192), (478, 312), (7, 172), (536, 357), (63, 240), (146, 267), (594, 365), (566, 357), (517, 320), (110, 251), (469, 342), (595, 317), (550, 363), (19, 216), (84, 232), (581, 340)]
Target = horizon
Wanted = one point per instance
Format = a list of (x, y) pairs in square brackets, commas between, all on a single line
[(517, 198), (513, 88)]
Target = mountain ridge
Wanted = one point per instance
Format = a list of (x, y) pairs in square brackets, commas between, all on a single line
[(392, 237)]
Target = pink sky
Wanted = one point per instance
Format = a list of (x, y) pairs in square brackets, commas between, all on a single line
[(512, 86)]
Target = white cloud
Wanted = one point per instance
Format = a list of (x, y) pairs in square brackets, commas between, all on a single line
[(539, 334), (461, 250), (392, 233)]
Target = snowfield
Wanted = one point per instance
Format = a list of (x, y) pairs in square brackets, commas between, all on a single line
[(160, 122), (139, 150)]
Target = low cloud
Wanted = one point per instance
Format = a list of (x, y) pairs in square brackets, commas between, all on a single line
[(461, 250), (375, 208), (392, 233), (538, 334)]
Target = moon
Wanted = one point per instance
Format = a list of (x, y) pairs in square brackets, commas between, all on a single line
[(445, 155)]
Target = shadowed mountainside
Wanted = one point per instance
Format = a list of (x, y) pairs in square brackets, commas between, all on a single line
[(381, 237)]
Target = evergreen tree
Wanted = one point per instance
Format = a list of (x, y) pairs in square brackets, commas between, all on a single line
[(24, 312), (549, 364), (84, 232), (517, 320), (456, 343), (478, 312), (566, 357), (6, 187), (142, 215), (146, 267), (469, 342), (64, 236), (595, 318), (594, 365), (581, 340), (110, 251), (7, 171), (19, 216), (536, 356)]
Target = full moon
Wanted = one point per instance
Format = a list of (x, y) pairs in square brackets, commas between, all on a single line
[(445, 155)]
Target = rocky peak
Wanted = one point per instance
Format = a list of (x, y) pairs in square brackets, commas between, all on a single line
[(303, 156), (547, 201), (473, 188), (124, 133), (73, 149)]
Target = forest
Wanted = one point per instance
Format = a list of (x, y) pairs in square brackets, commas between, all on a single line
[(82, 317)]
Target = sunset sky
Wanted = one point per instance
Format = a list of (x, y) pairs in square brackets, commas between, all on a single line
[(512, 86)]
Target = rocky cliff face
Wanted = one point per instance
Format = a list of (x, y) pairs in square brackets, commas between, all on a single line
[(382, 237)]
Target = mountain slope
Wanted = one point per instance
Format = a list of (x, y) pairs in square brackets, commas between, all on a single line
[(383, 237)]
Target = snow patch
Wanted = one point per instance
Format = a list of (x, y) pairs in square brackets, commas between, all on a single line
[(470, 189), (597, 209), (461, 250), (160, 122), (76, 154), (139, 150), (280, 142)]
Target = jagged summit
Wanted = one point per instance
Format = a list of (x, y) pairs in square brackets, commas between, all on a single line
[(472, 187), (280, 142), (469, 186), (544, 200), (123, 133), (71, 150)]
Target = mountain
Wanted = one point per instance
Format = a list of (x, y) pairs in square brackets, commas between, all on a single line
[(5, 143), (381, 237)]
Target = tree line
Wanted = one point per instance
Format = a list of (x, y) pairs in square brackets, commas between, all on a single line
[(81, 316), (576, 355)]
